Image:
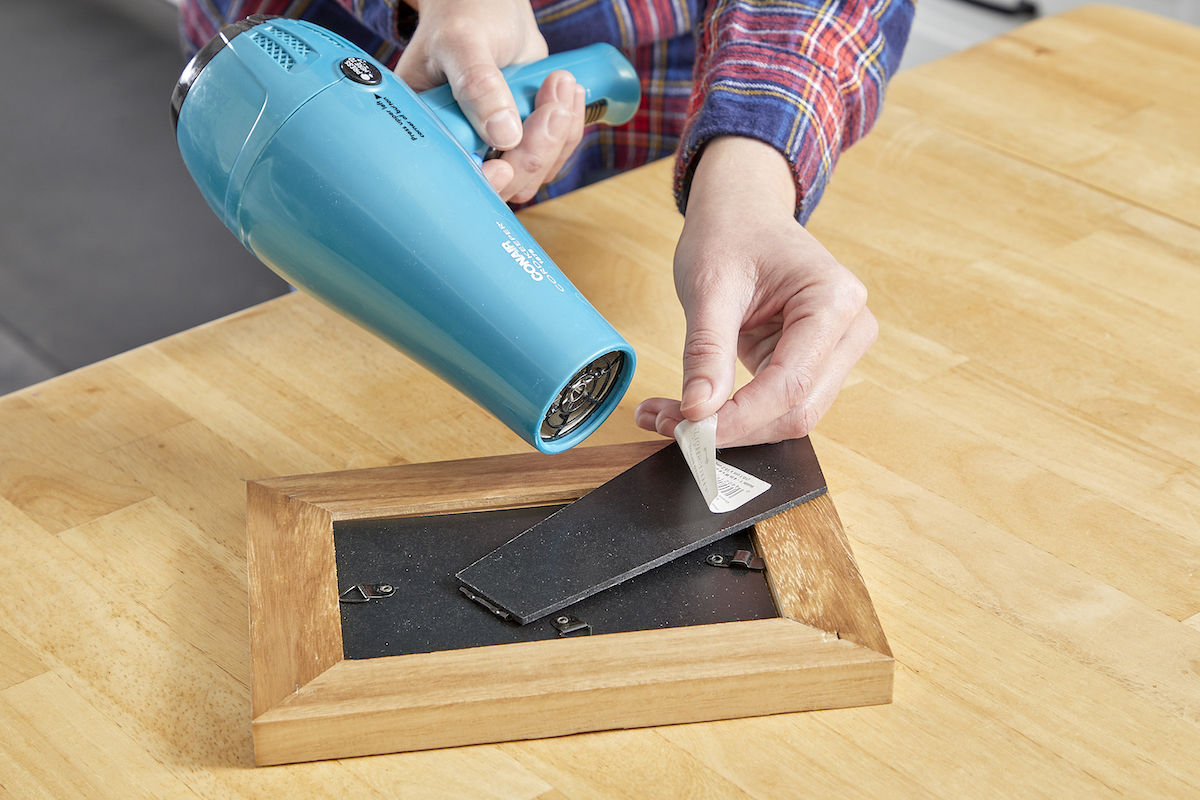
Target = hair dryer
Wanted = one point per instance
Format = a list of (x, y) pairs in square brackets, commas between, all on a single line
[(352, 187)]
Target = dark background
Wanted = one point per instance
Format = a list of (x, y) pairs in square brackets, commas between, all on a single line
[(105, 243)]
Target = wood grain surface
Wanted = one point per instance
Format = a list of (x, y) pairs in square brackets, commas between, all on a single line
[(1016, 462), (821, 585)]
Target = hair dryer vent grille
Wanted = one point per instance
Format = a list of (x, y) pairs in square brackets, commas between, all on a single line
[(583, 394), (280, 45)]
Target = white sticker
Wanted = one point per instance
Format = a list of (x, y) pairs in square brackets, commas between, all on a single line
[(724, 487)]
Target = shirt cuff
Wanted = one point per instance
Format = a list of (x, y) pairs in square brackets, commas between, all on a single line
[(781, 98)]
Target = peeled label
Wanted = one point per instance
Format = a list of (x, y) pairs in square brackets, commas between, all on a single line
[(724, 487)]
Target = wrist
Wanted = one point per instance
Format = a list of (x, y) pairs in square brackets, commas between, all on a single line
[(744, 176)]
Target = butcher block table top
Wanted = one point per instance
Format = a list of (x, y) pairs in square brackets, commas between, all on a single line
[(1016, 461)]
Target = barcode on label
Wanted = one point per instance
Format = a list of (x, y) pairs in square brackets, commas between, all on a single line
[(727, 488), (735, 487)]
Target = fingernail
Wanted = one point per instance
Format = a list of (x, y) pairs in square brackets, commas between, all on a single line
[(697, 392), (645, 420), (557, 125), (504, 129), (564, 92), (665, 425)]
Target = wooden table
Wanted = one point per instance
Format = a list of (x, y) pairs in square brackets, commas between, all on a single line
[(1017, 462)]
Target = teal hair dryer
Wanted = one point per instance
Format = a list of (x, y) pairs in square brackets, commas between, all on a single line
[(370, 197)]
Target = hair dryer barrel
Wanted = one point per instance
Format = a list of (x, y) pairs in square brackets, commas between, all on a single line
[(350, 187)]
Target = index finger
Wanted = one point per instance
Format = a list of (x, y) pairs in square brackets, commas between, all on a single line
[(818, 345)]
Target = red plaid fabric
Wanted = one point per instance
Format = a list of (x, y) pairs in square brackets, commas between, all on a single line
[(806, 77)]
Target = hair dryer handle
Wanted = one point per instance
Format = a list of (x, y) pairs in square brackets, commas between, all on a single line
[(613, 90)]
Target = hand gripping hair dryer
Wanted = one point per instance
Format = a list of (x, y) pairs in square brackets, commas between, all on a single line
[(346, 183)]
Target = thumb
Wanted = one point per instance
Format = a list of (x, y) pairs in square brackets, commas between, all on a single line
[(475, 81), (485, 99), (709, 355)]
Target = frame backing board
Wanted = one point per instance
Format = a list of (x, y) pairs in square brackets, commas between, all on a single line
[(825, 650), (416, 557)]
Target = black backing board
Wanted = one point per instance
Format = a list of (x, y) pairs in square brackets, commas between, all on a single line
[(647, 516), (427, 613)]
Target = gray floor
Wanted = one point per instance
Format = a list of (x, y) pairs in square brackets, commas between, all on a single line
[(105, 243)]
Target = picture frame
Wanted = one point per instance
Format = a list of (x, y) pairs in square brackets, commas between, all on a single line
[(826, 649)]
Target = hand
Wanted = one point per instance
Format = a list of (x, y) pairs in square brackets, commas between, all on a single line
[(754, 282), (465, 43)]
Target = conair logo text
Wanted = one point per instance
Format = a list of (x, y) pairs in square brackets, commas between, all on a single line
[(526, 260)]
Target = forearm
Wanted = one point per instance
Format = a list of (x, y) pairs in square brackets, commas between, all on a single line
[(743, 174)]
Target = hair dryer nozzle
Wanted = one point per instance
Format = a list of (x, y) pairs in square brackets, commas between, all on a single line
[(582, 395)]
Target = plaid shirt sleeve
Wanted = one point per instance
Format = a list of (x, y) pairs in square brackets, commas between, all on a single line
[(805, 76)]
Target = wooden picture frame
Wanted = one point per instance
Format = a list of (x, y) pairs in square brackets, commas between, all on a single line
[(825, 650)]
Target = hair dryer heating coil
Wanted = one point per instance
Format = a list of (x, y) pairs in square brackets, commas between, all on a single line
[(585, 393)]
